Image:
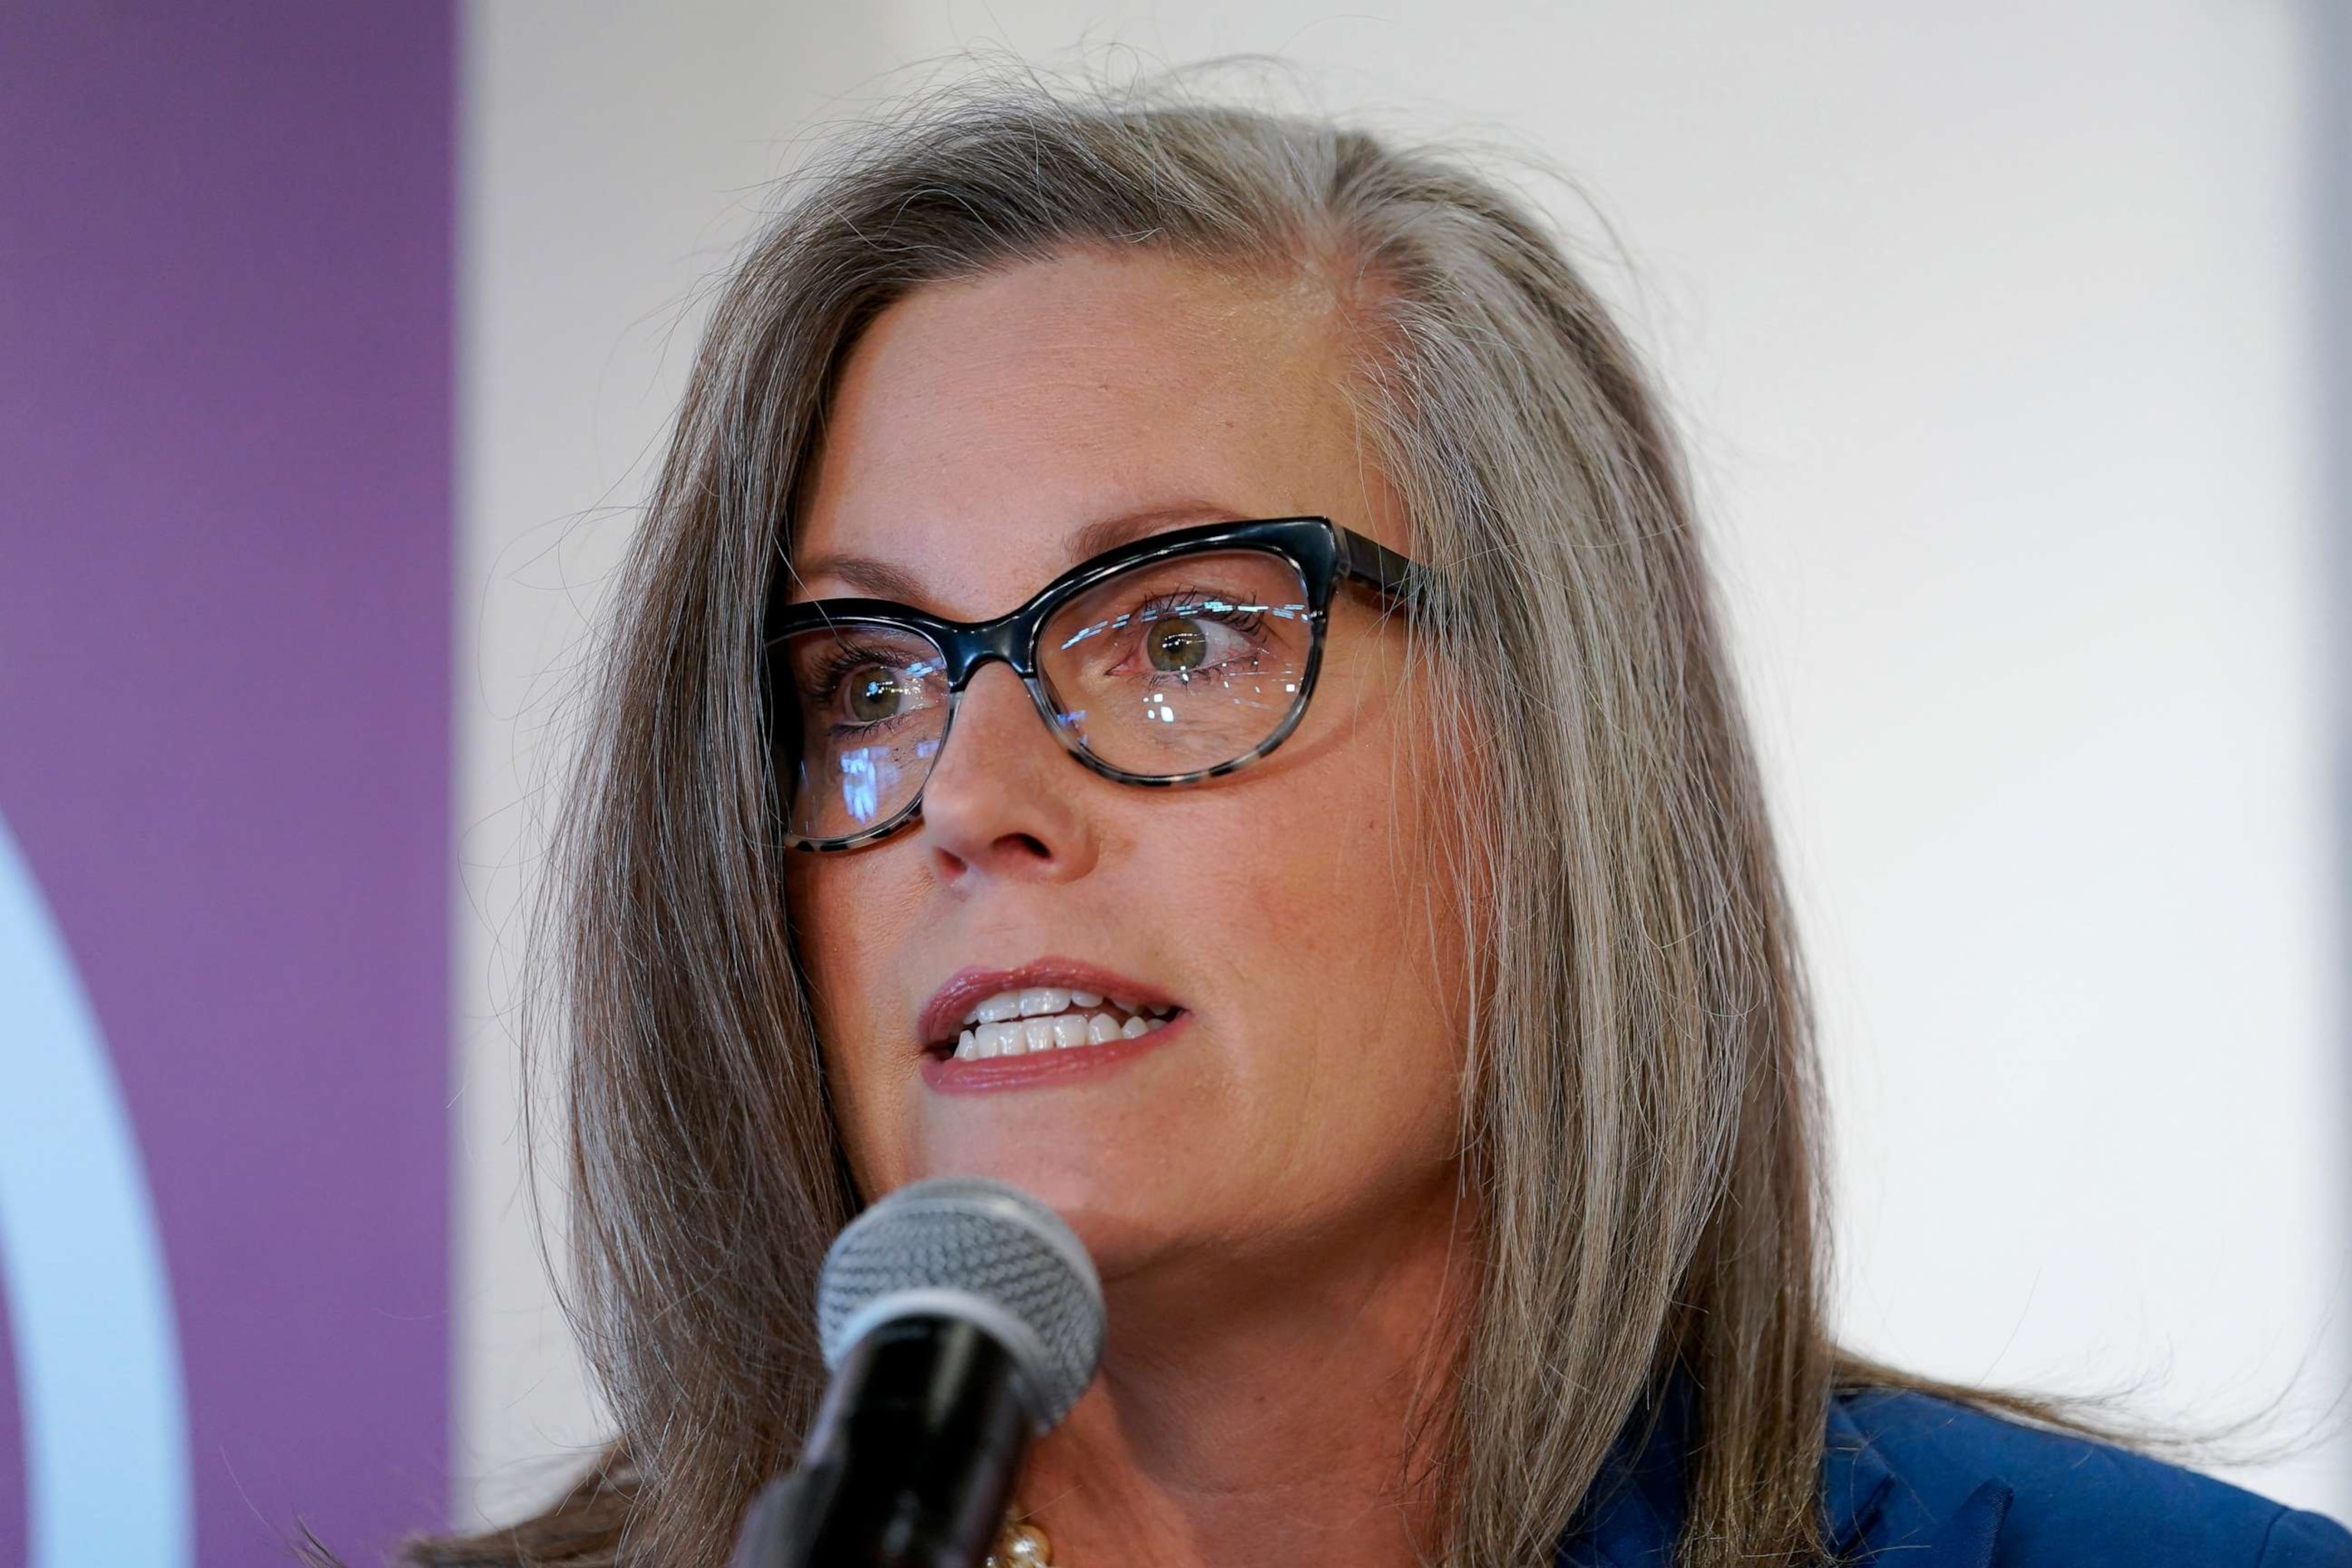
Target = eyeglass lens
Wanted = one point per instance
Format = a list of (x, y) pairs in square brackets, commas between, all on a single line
[(1167, 669)]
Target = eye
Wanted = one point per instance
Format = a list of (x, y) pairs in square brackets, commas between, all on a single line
[(1177, 646), (872, 695)]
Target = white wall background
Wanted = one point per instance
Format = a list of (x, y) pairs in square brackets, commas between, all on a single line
[(1989, 326)]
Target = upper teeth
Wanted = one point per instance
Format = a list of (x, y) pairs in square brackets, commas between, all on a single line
[(1012, 1023)]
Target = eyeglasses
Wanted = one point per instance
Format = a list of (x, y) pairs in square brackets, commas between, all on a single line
[(1175, 658)]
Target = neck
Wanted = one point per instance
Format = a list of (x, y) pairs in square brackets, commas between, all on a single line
[(1263, 1410)]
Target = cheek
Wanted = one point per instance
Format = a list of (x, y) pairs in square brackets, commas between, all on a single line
[(1343, 918), (845, 925)]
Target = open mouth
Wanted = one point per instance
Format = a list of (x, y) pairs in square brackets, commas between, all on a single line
[(1036, 1019)]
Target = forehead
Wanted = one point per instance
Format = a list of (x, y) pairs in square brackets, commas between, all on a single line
[(986, 434)]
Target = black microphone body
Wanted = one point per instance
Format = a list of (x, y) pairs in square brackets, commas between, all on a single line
[(916, 1451)]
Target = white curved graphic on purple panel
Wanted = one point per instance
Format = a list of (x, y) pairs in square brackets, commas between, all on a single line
[(90, 1303)]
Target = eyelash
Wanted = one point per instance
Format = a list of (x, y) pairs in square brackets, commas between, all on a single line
[(844, 658), (1192, 601)]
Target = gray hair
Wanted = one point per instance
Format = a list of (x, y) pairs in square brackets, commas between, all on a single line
[(1638, 1138)]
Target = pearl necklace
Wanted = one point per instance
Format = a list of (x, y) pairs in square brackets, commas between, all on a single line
[(1020, 1544)]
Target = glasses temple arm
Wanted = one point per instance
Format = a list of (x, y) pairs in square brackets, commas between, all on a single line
[(1369, 561)]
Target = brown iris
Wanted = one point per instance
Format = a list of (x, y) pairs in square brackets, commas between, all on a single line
[(874, 697), (1178, 645)]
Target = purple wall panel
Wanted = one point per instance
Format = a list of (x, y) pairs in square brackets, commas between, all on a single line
[(224, 585)]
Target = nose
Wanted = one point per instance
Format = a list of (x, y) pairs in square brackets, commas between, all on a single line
[(1001, 800)]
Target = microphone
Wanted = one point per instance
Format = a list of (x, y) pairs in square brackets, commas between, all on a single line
[(961, 1318)]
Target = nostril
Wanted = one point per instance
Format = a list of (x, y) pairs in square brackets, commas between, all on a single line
[(1005, 848)]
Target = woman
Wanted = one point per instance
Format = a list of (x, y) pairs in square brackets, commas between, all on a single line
[(1345, 894)]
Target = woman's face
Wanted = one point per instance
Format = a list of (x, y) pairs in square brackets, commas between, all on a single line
[(1306, 1082)]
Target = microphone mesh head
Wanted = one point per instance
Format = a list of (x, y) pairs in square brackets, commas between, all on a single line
[(935, 1248)]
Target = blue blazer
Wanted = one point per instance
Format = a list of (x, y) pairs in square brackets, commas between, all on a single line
[(1911, 1481)]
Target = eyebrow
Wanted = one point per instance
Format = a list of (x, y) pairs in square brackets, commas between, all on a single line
[(885, 580)]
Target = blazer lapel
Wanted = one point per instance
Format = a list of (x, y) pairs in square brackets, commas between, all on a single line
[(1967, 1539), (1634, 1515)]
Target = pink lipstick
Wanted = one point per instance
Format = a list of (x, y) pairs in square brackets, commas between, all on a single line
[(1046, 1022)]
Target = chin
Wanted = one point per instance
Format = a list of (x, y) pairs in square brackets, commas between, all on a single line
[(1118, 1210)]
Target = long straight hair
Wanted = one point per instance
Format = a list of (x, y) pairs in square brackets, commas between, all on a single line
[(1639, 1129)]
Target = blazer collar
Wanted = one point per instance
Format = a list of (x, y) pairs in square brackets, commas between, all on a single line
[(1633, 1515)]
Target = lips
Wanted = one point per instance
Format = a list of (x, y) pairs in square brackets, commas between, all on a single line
[(943, 1016), (952, 1074)]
